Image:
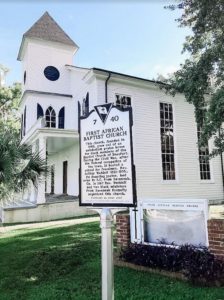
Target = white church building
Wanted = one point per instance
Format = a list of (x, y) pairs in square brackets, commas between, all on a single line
[(165, 135)]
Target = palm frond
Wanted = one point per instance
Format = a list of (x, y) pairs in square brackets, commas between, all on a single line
[(18, 165)]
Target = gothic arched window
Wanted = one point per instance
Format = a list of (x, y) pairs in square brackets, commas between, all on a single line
[(61, 118), (50, 117)]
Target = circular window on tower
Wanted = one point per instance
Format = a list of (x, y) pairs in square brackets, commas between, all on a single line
[(51, 73)]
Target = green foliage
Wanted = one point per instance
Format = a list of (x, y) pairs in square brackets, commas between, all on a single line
[(18, 166), (9, 106), (65, 263), (201, 77), (199, 266)]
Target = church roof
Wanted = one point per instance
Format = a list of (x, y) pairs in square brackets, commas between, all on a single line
[(47, 29)]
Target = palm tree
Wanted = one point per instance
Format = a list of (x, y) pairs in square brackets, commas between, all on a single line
[(19, 167)]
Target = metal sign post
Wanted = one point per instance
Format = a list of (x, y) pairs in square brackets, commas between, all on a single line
[(107, 174)]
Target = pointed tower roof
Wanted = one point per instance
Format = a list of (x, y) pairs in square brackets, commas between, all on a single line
[(47, 29)]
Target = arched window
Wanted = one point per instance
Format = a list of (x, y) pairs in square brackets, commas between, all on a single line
[(40, 112), (50, 117), (61, 118)]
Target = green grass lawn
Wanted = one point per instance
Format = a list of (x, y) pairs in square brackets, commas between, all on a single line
[(64, 263)]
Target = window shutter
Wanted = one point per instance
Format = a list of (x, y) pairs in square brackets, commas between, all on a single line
[(87, 104), (21, 129), (61, 118), (40, 112), (24, 122)]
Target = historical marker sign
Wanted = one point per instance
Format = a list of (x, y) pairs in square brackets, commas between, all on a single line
[(107, 175)]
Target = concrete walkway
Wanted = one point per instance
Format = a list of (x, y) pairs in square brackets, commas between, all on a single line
[(50, 224)]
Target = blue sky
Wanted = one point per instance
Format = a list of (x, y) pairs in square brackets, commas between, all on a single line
[(139, 38)]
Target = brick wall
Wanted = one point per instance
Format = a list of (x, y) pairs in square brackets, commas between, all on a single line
[(215, 234), (123, 230), (216, 237)]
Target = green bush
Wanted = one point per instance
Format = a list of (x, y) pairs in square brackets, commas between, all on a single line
[(197, 264)]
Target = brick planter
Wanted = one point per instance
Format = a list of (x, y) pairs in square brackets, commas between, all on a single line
[(123, 230), (216, 237), (215, 234)]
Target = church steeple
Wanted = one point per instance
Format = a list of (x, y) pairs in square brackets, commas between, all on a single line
[(47, 29), (44, 52)]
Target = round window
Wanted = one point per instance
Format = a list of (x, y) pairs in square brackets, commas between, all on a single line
[(51, 73)]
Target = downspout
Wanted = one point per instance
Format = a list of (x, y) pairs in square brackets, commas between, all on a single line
[(222, 170), (106, 82), (222, 167)]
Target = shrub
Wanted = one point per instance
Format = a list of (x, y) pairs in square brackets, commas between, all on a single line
[(197, 264)]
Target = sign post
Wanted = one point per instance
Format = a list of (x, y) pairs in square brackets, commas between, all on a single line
[(107, 174), (106, 224)]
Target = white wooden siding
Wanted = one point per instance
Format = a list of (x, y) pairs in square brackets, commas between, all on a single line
[(41, 54), (147, 147)]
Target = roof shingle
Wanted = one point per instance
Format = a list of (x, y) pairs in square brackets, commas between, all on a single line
[(47, 29)]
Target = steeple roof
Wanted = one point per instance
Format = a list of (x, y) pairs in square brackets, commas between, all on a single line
[(47, 29)]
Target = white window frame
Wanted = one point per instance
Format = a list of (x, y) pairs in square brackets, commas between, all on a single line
[(211, 180), (50, 117), (122, 95), (169, 181)]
